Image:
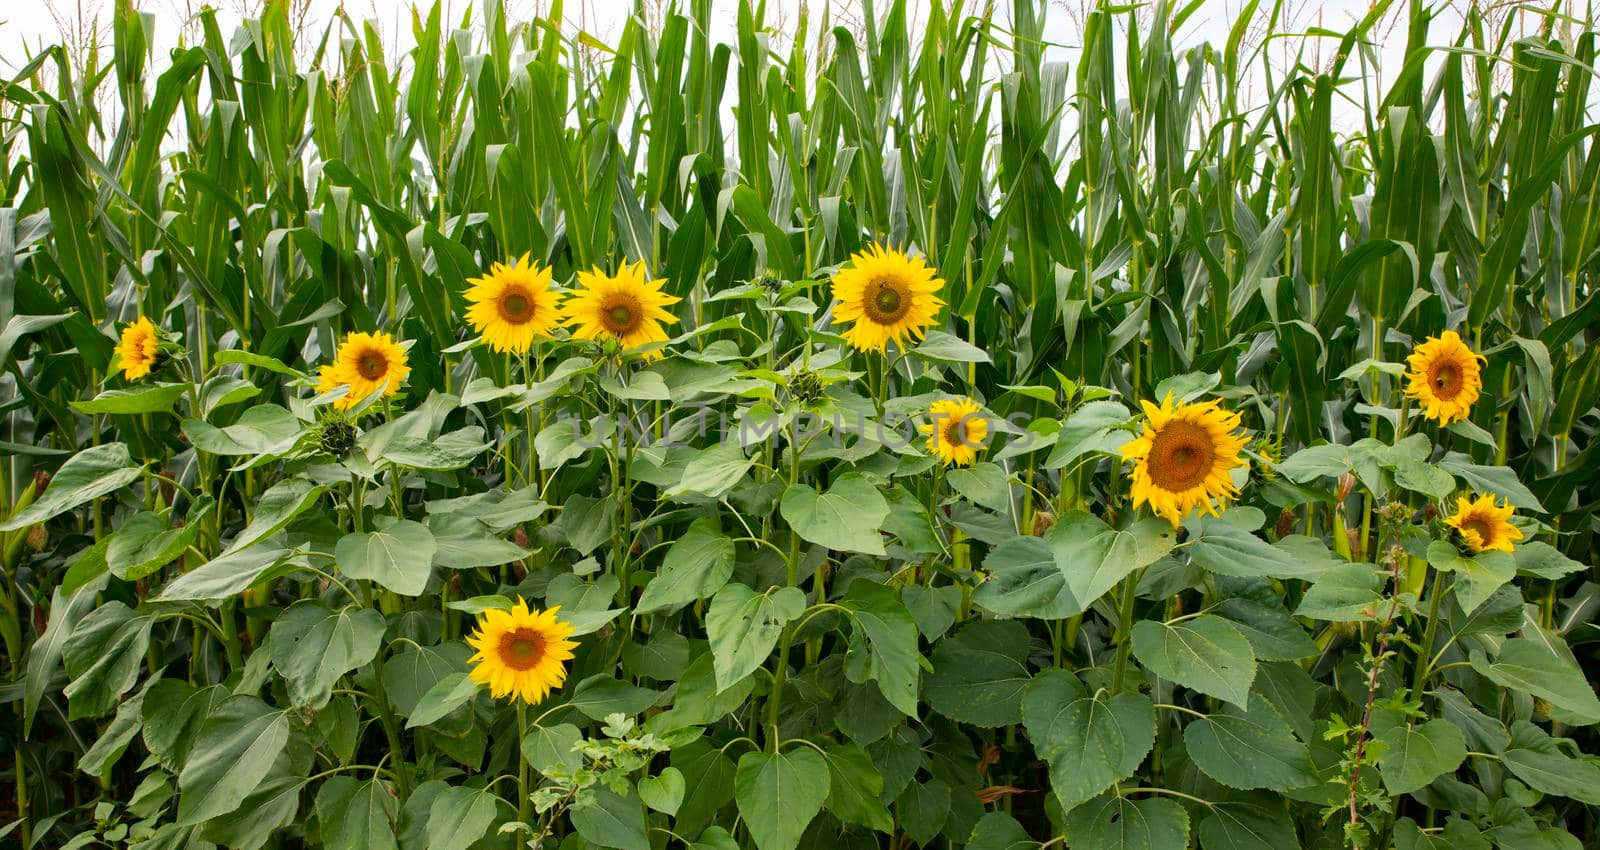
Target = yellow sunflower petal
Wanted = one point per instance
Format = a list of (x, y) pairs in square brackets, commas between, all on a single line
[(956, 431), (886, 296), (1445, 378), (138, 348), (1484, 525), (627, 308), (366, 363), (1184, 458), (521, 652), (512, 305)]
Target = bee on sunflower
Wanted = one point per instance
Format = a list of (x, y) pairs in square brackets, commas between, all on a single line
[(1445, 377), (886, 295), (513, 304), (365, 363), (627, 307), (957, 431), (521, 653), (142, 349), (1484, 525), (1184, 458)]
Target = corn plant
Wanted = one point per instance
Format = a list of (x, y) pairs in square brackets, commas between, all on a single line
[(871, 432)]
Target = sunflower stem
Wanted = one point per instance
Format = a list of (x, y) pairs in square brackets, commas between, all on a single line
[(510, 423), (1419, 677), (391, 727), (877, 372), (533, 456), (380, 694), (1130, 586), (791, 579), (524, 801)]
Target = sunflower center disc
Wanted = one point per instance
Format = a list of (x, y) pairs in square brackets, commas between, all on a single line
[(1447, 381), (1481, 528), (515, 307), (1181, 456), (371, 366), (620, 319), (521, 649), (955, 433), (888, 302)]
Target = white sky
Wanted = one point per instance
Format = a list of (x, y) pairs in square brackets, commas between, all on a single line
[(26, 24), (33, 21)]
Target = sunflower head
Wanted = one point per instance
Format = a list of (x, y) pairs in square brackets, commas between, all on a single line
[(1445, 377), (513, 304), (521, 653), (956, 431), (365, 364), (1184, 457), (1483, 525), (627, 308), (140, 349), (887, 296)]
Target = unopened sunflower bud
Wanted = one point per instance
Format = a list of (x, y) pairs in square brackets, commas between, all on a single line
[(336, 436), (1347, 482), (1043, 521), (806, 387), (1396, 513), (1541, 710), (771, 283), (38, 537)]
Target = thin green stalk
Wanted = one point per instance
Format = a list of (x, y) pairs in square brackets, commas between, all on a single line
[(533, 455), (386, 715), (1419, 677), (230, 634), (792, 579), (25, 822), (1130, 588), (524, 800), (380, 694)]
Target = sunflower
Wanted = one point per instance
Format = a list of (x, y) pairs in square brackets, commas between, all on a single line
[(366, 363), (512, 304), (1183, 459), (888, 295), (520, 652), (957, 431), (626, 307), (139, 349), (1445, 377), (1484, 525)]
